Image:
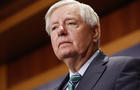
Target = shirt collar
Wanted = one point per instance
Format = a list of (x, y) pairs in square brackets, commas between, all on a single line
[(85, 66)]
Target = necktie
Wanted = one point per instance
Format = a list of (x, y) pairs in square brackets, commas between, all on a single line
[(73, 81)]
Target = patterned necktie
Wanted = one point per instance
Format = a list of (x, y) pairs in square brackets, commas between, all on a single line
[(73, 81)]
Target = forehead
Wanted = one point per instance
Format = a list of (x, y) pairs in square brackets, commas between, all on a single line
[(64, 11)]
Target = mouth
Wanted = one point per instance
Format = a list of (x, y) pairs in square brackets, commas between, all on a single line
[(64, 43)]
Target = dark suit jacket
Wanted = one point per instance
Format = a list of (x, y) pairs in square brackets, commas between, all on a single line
[(109, 73)]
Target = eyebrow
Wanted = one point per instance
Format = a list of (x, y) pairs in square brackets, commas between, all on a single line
[(69, 18), (53, 23), (65, 19)]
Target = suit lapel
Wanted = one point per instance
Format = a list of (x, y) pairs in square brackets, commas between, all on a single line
[(63, 83), (93, 73)]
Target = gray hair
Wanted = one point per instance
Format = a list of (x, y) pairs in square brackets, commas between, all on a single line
[(86, 12)]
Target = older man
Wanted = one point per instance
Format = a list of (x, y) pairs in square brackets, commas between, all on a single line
[(74, 30)]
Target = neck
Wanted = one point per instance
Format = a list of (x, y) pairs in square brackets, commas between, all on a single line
[(75, 63)]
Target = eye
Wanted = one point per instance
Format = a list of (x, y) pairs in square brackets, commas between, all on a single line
[(54, 27), (71, 23)]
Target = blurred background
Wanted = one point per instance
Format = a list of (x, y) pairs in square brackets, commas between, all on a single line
[(27, 60)]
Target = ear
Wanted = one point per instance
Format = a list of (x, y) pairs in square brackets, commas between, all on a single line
[(95, 33)]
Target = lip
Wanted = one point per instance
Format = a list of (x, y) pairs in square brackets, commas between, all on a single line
[(63, 42)]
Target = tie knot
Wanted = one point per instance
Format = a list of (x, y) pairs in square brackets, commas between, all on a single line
[(75, 79)]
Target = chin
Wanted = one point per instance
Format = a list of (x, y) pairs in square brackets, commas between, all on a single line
[(63, 56), (66, 55)]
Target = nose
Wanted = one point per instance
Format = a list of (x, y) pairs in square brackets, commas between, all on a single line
[(61, 31)]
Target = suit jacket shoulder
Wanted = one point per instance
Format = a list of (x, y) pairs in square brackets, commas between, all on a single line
[(127, 71)]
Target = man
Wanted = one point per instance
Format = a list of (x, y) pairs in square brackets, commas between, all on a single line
[(74, 30)]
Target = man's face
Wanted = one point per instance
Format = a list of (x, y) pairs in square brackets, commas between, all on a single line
[(70, 34)]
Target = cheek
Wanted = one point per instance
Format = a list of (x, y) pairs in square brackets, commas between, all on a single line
[(82, 40), (54, 43)]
